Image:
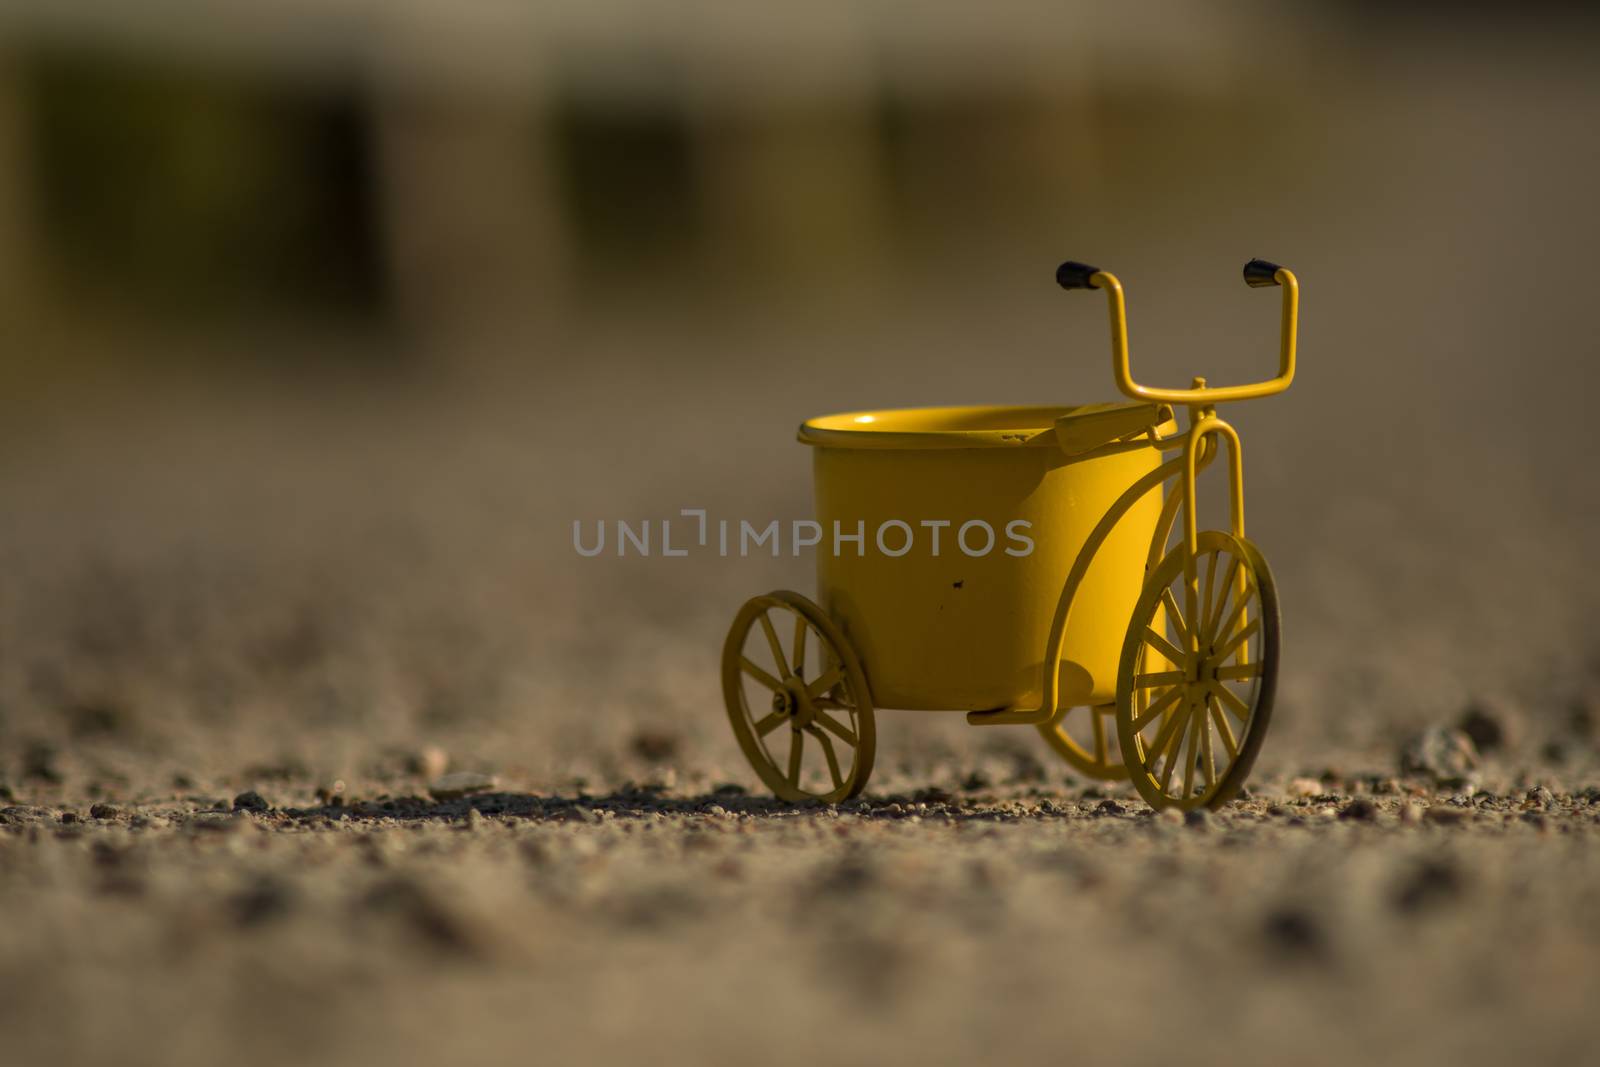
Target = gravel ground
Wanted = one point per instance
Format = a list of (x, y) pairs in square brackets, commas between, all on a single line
[(1314, 922), (245, 626)]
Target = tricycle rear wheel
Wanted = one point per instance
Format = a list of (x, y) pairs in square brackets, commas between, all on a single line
[(812, 694)]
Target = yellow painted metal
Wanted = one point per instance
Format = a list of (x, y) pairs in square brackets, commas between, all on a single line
[(1086, 737), (957, 627), (799, 705), (1087, 428), (1123, 373), (1081, 735), (1097, 608), (1199, 704), (1054, 695)]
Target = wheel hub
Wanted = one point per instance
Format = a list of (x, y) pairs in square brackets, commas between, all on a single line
[(793, 701)]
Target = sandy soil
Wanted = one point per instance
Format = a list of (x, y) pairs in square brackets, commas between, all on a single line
[(328, 593), (654, 924)]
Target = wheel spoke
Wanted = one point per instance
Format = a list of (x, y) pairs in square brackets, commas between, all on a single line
[(1239, 672), (799, 677), (1146, 717), (827, 754), (1177, 747), (1190, 759), (772, 641), (1223, 728), (800, 628), (760, 675), (838, 729), (1146, 681), (1175, 616), (1208, 754), (1234, 616), (1163, 646), (1208, 633), (827, 681), (1164, 736), (1232, 702), (1238, 639), (797, 744)]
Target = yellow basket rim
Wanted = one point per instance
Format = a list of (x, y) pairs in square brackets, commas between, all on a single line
[(981, 426)]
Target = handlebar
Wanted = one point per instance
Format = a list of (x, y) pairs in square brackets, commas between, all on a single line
[(1258, 273), (1072, 275)]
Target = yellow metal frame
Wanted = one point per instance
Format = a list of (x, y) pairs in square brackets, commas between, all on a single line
[(1199, 395), (1199, 450), (1176, 688)]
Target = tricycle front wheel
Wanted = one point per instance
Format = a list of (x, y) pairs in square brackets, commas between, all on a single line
[(797, 699), (1198, 674)]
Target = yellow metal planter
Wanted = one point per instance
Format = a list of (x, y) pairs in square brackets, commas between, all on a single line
[(1019, 564), (989, 515)]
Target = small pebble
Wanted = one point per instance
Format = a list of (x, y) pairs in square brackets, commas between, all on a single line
[(1295, 933), (1487, 724), (215, 821), (655, 744), (250, 800), (1360, 811), (1443, 754), (427, 916), (1304, 787), (430, 762), (39, 762), (1431, 883), (461, 784), (259, 903)]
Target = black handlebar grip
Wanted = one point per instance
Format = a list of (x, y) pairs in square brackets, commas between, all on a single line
[(1259, 273), (1071, 275)]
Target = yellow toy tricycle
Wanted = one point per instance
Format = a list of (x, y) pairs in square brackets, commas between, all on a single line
[(1076, 615)]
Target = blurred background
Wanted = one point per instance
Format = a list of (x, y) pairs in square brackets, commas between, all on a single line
[(320, 324)]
